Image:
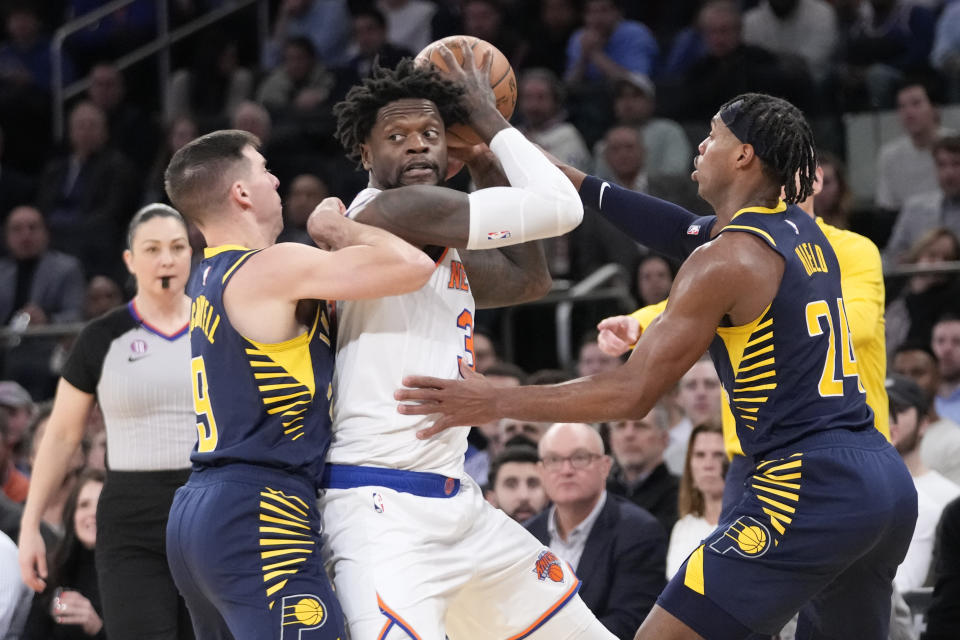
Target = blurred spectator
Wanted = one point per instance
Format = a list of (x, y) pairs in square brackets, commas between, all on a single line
[(512, 431), (665, 145), (325, 22), (699, 396), (940, 448), (639, 473), (591, 359), (543, 120), (38, 286), (305, 193), (891, 38), (488, 20), (18, 407), (616, 548), (608, 47), (908, 423), (946, 346), (803, 28), (937, 208), (548, 376), (486, 438), (408, 22), (943, 616), (179, 132), (15, 188), (115, 34), (701, 494), (213, 87), (505, 374), (301, 84), (85, 193), (15, 596), (132, 131), (623, 154), (370, 43), (905, 165), (13, 483), (911, 315), (835, 199), (69, 608), (253, 118), (945, 53), (484, 351), (549, 35), (97, 454), (25, 55), (654, 278), (515, 483), (102, 294), (729, 67)]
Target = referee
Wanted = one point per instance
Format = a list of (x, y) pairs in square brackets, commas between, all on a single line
[(133, 361)]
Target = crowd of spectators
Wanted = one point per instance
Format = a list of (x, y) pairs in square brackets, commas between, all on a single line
[(623, 90)]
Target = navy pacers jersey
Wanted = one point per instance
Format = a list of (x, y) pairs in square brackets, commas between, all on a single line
[(791, 372), (264, 404)]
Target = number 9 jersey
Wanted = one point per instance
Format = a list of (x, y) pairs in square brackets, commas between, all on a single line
[(256, 403), (791, 372), (379, 341)]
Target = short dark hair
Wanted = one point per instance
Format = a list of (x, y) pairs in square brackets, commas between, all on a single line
[(302, 42), (950, 144), (916, 345), (149, 212), (513, 453), (357, 113), (371, 12), (781, 138), (199, 173), (506, 370)]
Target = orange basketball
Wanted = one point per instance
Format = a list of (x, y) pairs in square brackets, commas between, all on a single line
[(555, 573), (502, 81)]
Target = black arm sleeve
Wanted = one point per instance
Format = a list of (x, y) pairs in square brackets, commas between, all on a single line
[(660, 225), (85, 362)]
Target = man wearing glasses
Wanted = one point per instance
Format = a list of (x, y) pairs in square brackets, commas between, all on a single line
[(617, 549)]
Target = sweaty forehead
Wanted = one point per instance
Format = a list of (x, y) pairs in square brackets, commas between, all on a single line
[(407, 108)]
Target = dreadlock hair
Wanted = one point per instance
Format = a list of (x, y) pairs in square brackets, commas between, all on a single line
[(357, 113), (781, 138)]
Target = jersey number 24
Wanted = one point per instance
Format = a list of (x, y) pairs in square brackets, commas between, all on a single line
[(829, 385)]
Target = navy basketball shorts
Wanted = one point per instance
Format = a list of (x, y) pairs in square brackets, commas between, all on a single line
[(244, 549), (820, 526)]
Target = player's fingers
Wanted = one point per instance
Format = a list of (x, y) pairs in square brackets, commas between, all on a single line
[(449, 59), (422, 409), (424, 382), (610, 323), (467, 51), (467, 371), (486, 63), (610, 344)]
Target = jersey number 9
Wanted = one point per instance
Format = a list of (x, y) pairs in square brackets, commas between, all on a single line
[(206, 423)]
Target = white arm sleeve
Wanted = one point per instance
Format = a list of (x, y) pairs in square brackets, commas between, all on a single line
[(541, 203)]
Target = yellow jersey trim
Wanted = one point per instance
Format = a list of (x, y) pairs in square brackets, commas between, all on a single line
[(209, 252), (780, 208)]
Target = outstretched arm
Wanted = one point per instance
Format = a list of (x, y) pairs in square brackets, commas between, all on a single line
[(723, 278)]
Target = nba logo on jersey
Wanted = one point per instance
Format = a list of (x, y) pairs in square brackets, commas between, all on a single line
[(693, 230), (302, 613), (377, 502), (548, 566), (747, 537), (498, 235)]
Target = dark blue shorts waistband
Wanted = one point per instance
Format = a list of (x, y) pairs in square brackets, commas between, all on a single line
[(253, 474), (866, 438), (418, 483)]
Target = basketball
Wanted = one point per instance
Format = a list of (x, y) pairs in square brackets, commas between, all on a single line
[(752, 539), (502, 81), (555, 573)]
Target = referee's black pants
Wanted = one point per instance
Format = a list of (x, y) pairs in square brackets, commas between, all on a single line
[(140, 600)]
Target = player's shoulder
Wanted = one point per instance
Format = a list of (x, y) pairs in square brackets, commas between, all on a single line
[(361, 200), (109, 325)]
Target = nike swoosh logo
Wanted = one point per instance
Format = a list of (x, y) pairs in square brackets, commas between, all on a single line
[(135, 358), (605, 185)]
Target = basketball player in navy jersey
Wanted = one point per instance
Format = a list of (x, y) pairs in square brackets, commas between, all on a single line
[(243, 536), (828, 510)]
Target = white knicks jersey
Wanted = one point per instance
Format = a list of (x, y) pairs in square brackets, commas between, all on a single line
[(381, 341)]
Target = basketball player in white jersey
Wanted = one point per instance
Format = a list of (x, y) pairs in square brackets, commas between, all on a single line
[(415, 550)]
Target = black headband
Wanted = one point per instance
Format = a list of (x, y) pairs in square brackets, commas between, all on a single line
[(740, 124)]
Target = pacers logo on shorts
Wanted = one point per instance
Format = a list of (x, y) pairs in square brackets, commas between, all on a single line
[(548, 566), (747, 536), (301, 612)]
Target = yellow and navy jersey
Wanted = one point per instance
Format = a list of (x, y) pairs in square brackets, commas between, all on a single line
[(256, 403), (792, 371)]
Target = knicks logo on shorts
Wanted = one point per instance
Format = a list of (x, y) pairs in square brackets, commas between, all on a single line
[(548, 566), (747, 537), (301, 612)]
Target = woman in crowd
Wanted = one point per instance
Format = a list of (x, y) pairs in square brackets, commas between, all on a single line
[(70, 606), (654, 278), (132, 362), (924, 298), (701, 494)]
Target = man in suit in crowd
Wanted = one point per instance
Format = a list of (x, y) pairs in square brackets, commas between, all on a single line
[(640, 473), (617, 549)]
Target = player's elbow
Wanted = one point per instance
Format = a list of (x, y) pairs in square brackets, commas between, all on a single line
[(413, 271), (569, 209)]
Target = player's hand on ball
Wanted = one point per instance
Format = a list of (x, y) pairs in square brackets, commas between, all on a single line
[(617, 334), (476, 82), (466, 402), (327, 225)]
